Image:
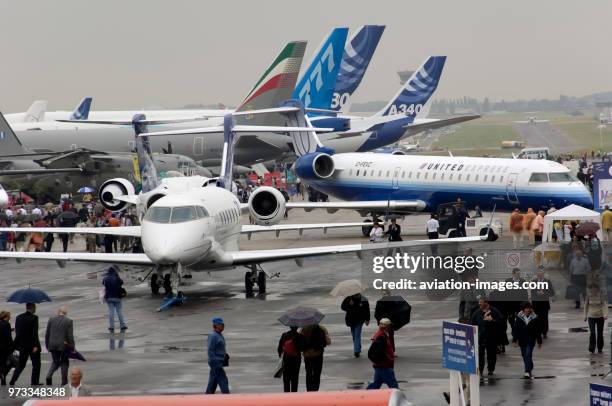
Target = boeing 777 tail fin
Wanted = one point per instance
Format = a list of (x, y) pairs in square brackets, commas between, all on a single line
[(417, 90), (9, 143), (316, 86), (355, 61), (81, 112)]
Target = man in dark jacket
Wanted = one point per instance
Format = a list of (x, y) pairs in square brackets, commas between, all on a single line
[(516, 297), (6, 344), (58, 339), (383, 357), (395, 231), (290, 347), (357, 310), (488, 319), (26, 341), (113, 287), (541, 299), (526, 332)]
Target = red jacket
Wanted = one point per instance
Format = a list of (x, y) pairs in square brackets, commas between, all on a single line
[(389, 353)]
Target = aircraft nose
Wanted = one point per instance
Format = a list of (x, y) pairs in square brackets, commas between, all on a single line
[(172, 244)]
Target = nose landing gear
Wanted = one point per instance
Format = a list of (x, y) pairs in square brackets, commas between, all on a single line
[(258, 276)]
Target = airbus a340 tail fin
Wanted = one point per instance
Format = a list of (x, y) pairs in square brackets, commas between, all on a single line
[(417, 90)]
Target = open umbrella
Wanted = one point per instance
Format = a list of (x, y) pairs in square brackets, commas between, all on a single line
[(86, 189), (346, 288), (587, 228), (396, 309), (301, 317), (28, 295)]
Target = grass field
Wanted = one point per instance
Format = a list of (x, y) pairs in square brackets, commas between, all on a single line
[(484, 136)]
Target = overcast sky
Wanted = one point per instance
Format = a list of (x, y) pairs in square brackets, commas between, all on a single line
[(132, 54)]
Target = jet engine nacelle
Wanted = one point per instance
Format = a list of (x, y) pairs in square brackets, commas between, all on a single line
[(316, 165), (111, 190), (266, 206)]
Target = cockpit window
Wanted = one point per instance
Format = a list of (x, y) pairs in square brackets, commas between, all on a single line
[(538, 177), (201, 212), (561, 177), (181, 214), (158, 214)]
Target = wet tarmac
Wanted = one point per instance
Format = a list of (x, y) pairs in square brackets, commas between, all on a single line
[(164, 353)]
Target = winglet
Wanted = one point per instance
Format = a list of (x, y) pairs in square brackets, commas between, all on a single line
[(417, 90), (81, 112)]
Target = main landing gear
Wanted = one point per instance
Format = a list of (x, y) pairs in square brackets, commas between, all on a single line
[(255, 276)]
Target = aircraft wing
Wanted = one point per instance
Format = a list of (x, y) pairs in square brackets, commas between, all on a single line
[(260, 256), (434, 124), (98, 257), (132, 231), (250, 229), (373, 205)]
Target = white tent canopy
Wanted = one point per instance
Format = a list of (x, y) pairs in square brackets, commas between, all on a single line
[(572, 213)]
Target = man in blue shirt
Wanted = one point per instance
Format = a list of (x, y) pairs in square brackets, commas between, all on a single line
[(217, 358)]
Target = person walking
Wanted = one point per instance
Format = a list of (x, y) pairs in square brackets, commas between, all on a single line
[(433, 226), (527, 221), (27, 343), (376, 233), (394, 232), (58, 339), (537, 227), (606, 223), (488, 320), (382, 355), (290, 347), (113, 293), (578, 269), (217, 358), (316, 338), (6, 344), (357, 310), (516, 227), (526, 332), (540, 298), (596, 312)]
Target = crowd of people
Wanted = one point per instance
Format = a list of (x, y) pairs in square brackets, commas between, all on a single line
[(65, 214)]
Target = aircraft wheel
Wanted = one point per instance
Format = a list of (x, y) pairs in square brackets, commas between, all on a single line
[(261, 282), (365, 230), (168, 284), (491, 236), (248, 283), (154, 284)]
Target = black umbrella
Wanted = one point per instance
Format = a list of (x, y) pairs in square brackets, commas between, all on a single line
[(301, 317), (396, 309), (28, 295), (68, 219)]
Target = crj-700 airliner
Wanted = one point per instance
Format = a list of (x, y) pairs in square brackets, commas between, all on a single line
[(194, 221), (428, 181)]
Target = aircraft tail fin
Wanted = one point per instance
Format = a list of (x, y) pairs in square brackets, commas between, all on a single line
[(36, 112), (355, 61), (81, 112), (148, 173), (9, 143), (417, 90), (316, 86), (275, 85)]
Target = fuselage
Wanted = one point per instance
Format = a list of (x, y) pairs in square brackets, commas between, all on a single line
[(488, 182), (193, 227)]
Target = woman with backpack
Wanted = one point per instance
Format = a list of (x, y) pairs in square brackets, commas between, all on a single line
[(290, 347), (316, 338)]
